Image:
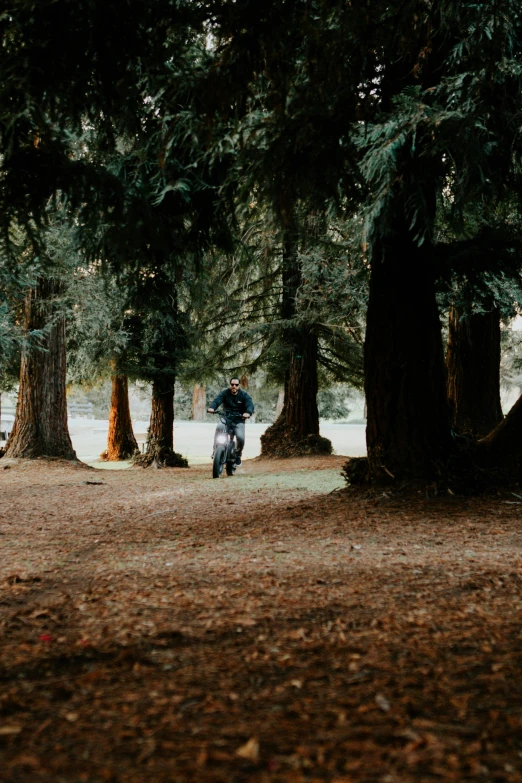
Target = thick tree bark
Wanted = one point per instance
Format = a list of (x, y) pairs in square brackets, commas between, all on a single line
[(161, 430), (296, 430), (301, 386), (40, 427), (160, 444), (408, 428), (473, 362), (121, 443), (199, 402)]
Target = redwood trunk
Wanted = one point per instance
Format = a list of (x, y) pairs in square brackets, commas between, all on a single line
[(161, 430), (160, 444), (199, 402), (40, 427), (408, 428), (296, 430), (300, 402), (473, 362), (121, 443)]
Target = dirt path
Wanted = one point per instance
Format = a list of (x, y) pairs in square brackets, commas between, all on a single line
[(163, 627)]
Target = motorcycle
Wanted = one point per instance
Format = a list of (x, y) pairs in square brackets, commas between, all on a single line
[(224, 455)]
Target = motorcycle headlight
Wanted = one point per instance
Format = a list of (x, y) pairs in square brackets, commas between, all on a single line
[(221, 439)]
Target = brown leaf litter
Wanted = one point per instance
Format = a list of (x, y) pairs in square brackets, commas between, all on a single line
[(162, 626)]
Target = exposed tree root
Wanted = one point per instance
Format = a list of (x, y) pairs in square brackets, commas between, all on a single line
[(281, 441), (160, 457), (356, 472), (464, 473), (123, 455)]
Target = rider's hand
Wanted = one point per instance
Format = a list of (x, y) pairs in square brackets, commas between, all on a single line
[(246, 415), (210, 410)]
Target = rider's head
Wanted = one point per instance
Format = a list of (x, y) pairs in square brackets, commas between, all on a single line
[(234, 385)]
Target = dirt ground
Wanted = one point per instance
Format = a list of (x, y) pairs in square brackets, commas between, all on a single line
[(159, 626)]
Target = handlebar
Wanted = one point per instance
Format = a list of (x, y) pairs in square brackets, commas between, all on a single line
[(229, 414)]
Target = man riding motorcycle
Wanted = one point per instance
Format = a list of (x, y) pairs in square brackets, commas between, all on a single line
[(235, 400)]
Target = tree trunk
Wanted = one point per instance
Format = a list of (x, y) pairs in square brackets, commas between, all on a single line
[(160, 443), (199, 402), (296, 430), (40, 427), (300, 405), (473, 362), (408, 428), (161, 430), (121, 443)]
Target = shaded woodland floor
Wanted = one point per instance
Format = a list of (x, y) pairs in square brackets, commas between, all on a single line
[(160, 626)]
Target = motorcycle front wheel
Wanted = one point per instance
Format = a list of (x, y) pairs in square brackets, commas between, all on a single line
[(219, 461)]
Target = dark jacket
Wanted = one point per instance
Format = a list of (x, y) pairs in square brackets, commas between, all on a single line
[(240, 402)]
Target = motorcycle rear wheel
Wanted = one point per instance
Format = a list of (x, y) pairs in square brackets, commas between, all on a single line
[(219, 461)]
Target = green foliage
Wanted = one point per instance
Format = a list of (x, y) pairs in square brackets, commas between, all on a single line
[(159, 156), (237, 323), (57, 85), (333, 402), (18, 273), (97, 337)]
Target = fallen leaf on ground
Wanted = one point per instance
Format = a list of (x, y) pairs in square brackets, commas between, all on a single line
[(250, 750), (382, 702)]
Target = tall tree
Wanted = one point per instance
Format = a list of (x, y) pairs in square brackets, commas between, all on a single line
[(98, 349), (282, 163), (479, 297), (297, 428), (157, 336), (40, 427), (435, 131), (408, 429)]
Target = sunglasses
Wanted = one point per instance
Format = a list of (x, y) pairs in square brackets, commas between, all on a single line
[(234, 384)]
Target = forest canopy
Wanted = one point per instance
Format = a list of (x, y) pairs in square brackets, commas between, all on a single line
[(320, 192)]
